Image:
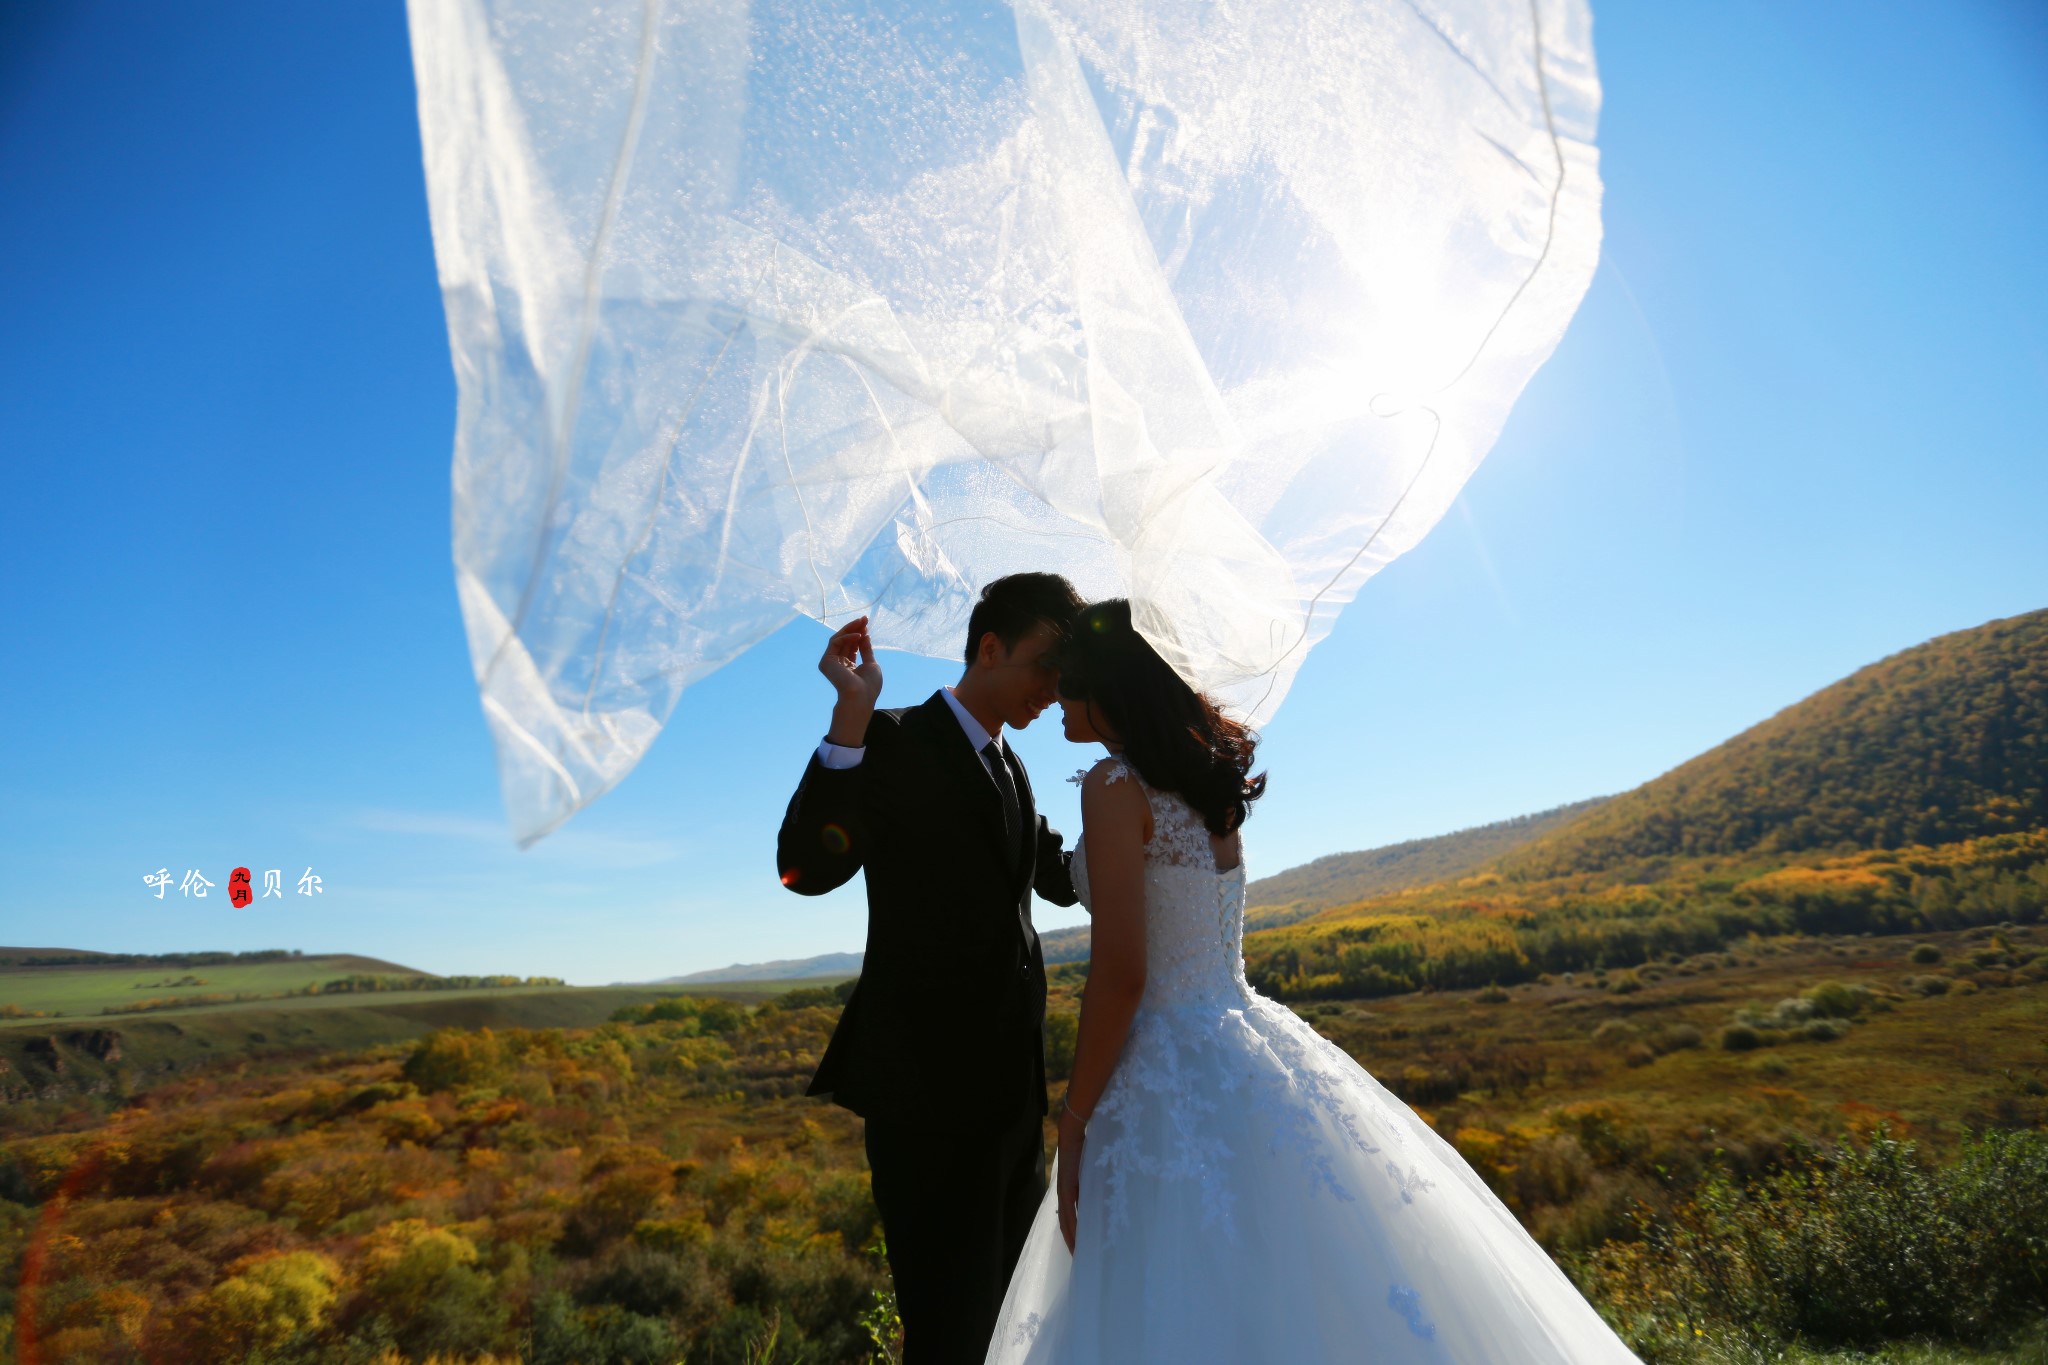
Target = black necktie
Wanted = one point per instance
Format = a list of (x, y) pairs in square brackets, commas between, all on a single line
[(1013, 813)]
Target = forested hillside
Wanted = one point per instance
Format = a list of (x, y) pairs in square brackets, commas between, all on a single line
[(1944, 741), (1342, 877), (1905, 799)]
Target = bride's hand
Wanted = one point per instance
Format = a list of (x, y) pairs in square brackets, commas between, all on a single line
[(1068, 1183)]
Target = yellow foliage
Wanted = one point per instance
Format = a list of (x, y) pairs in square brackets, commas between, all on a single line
[(414, 1246), (263, 1303), (1480, 1146), (1826, 878), (673, 1234), (405, 1121)]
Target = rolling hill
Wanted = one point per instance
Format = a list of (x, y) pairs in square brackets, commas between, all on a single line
[(1905, 799), (1945, 741), (1338, 878)]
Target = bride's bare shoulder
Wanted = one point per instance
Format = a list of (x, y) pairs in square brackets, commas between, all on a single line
[(1106, 796)]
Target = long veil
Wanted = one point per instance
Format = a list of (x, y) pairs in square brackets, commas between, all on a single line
[(766, 308)]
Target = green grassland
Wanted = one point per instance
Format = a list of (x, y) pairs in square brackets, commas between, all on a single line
[(89, 989)]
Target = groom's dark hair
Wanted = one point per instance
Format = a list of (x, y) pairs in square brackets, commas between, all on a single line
[(1014, 605)]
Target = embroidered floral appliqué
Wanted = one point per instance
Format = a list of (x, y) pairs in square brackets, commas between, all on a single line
[(1408, 1304)]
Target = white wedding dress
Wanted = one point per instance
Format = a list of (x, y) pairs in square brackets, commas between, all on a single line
[(1250, 1194)]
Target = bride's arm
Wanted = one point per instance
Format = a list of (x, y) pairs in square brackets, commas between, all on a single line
[(1113, 824)]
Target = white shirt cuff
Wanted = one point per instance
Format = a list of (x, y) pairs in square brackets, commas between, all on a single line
[(840, 755)]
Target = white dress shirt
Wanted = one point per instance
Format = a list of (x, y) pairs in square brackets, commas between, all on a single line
[(849, 755)]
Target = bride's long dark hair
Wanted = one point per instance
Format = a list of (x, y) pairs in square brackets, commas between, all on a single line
[(1175, 737)]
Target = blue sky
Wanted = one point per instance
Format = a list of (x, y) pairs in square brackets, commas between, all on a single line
[(1797, 425)]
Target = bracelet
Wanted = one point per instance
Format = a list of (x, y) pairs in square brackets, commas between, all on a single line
[(1068, 1105)]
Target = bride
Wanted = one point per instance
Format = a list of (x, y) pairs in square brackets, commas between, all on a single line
[(1231, 1187)]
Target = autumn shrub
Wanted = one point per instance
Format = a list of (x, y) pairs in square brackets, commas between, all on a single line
[(1062, 1032), (1678, 1037), (1847, 1246), (697, 1014), (1614, 1033), (816, 1293), (561, 1333), (614, 1200), (1834, 1000), (656, 1284), (264, 1305), (451, 1058), (1741, 1038), (424, 1291)]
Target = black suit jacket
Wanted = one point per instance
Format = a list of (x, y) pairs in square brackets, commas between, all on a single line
[(947, 1019)]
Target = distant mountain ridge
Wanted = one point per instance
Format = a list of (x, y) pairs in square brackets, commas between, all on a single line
[(1944, 741), (1282, 898), (828, 965)]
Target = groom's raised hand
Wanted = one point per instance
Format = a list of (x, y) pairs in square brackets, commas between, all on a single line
[(849, 665)]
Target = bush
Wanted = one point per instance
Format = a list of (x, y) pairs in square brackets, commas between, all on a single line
[(652, 1284), (807, 997), (1925, 953), (1614, 1033), (1740, 1038), (563, 1335), (425, 1291), (1680, 1036), (454, 1058), (1846, 1247), (1062, 1032), (1833, 1000)]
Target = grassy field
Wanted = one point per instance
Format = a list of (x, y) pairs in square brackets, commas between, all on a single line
[(89, 989), (654, 1187), (83, 1069)]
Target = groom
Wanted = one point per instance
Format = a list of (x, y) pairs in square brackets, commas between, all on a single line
[(941, 1048)]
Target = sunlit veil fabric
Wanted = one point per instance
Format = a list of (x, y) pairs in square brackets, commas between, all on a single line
[(803, 307)]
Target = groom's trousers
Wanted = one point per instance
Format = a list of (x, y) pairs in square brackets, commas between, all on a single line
[(956, 1205)]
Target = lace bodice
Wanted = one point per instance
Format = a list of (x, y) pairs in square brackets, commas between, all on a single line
[(1194, 914), (1202, 1039)]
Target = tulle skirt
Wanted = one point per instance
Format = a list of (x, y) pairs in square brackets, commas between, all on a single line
[(1251, 1194)]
